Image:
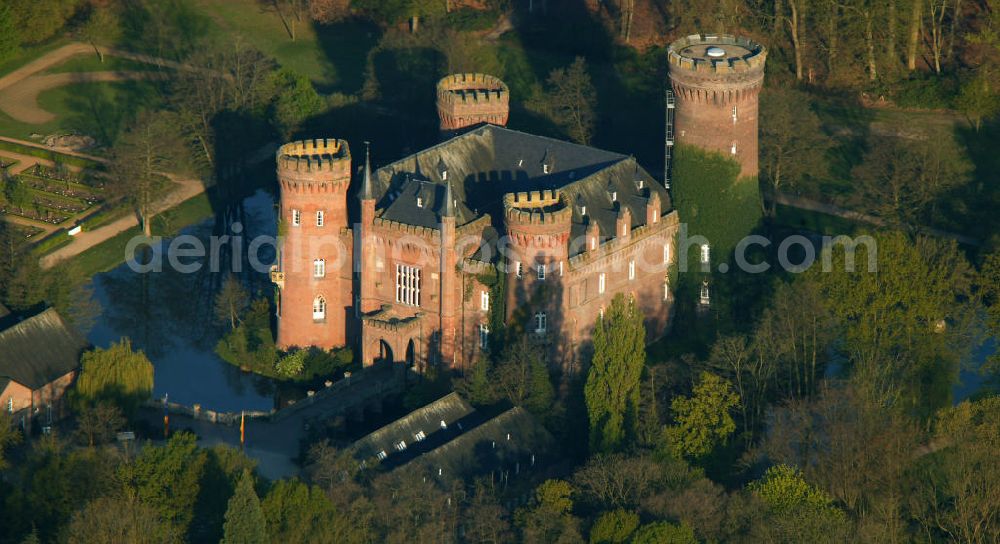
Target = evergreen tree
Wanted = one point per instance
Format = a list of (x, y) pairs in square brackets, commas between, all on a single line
[(245, 523), (612, 388)]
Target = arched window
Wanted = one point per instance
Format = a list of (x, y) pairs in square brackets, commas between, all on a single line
[(319, 218), (319, 308)]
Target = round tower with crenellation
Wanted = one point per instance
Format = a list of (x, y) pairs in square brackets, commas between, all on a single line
[(538, 228), (468, 100), (314, 270), (716, 81)]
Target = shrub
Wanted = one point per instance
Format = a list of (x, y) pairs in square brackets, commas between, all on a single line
[(925, 92)]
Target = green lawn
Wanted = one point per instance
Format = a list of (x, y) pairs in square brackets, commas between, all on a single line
[(99, 109), (111, 252), (30, 53), (91, 63), (332, 56)]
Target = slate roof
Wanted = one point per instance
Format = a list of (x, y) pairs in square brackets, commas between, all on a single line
[(484, 164), (512, 441), (451, 409), (3, 310), (39, 349)]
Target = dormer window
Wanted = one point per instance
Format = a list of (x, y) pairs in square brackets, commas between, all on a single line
[(444, 175), (545, 169), (614, 196), (640, 184), (420, 202), (705, 254), (583, 210)]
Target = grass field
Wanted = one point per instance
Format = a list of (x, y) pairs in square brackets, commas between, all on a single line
[(30, 53), (99, 109), (111, 252), (332, 56), (91, 63)]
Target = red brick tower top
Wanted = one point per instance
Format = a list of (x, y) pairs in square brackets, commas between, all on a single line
[(716, 80), (468, 100)]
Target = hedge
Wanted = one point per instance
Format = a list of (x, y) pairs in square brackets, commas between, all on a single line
[(50, 155)]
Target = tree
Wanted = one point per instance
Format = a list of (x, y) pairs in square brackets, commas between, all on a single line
[(903, 180), (329, 11), (905, 326), (792, 142), (612, 388), (9, 436), (523, 377), (799, 512), (245, 523), (119, 520), (295, 100), (298, 514), (98, 424), (102, 25), (231, 301), (477, 384), (614, 527), (978, 99), (136, 163), (702, 421), (572, 100), (116, 374), (662, 532), (168, 478), (549, 518), (10, 37), (291, 365)]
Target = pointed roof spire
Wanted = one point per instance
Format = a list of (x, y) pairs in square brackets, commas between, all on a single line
[(366, 184), (448, 210)]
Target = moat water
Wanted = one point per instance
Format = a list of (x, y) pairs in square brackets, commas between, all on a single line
[(171, 317)]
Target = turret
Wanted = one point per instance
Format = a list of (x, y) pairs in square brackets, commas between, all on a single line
[(716, 80), (313, 176), (469, 100)]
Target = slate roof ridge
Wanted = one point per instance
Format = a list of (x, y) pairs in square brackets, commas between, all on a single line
[(39, 349)]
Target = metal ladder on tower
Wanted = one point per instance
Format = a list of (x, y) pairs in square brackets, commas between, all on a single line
[(668, 146)]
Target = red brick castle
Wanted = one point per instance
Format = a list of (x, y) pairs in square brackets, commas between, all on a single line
[(566, 227)]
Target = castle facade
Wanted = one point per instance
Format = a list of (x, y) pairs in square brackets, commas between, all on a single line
[(490, 226)]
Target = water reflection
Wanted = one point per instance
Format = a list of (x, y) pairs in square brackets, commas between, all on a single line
[(171, 317)]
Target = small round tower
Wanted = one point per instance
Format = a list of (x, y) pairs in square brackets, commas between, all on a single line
[(314, 176), (716, 80), (469, 100), (538, 227)]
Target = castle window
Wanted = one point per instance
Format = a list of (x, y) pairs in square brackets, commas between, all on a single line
[(484, 301), (666, 287), (319, 218), (631, 270), (666, 253), (583, 210), (518, 268), (704, 298), (540, 323), (419, 436), (420, 202), (407, 285), (593, 243), (706, 254), (484, 336), (560, 268), (614, 196), (732, 150), (296, 218), (601, 312), (600, 283), (734, 115), (541, 271), (319, 308), (319, 268), (381, 455)]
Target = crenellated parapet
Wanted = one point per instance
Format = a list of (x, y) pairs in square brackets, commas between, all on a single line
[(314, 166), (539, 219), (719, 68), (466, 100)]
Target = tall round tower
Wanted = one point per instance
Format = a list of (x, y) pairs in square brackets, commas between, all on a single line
[(468, 100), (716, 80), (314, 270)]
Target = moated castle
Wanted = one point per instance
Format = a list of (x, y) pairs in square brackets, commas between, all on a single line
[(405, 268)]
